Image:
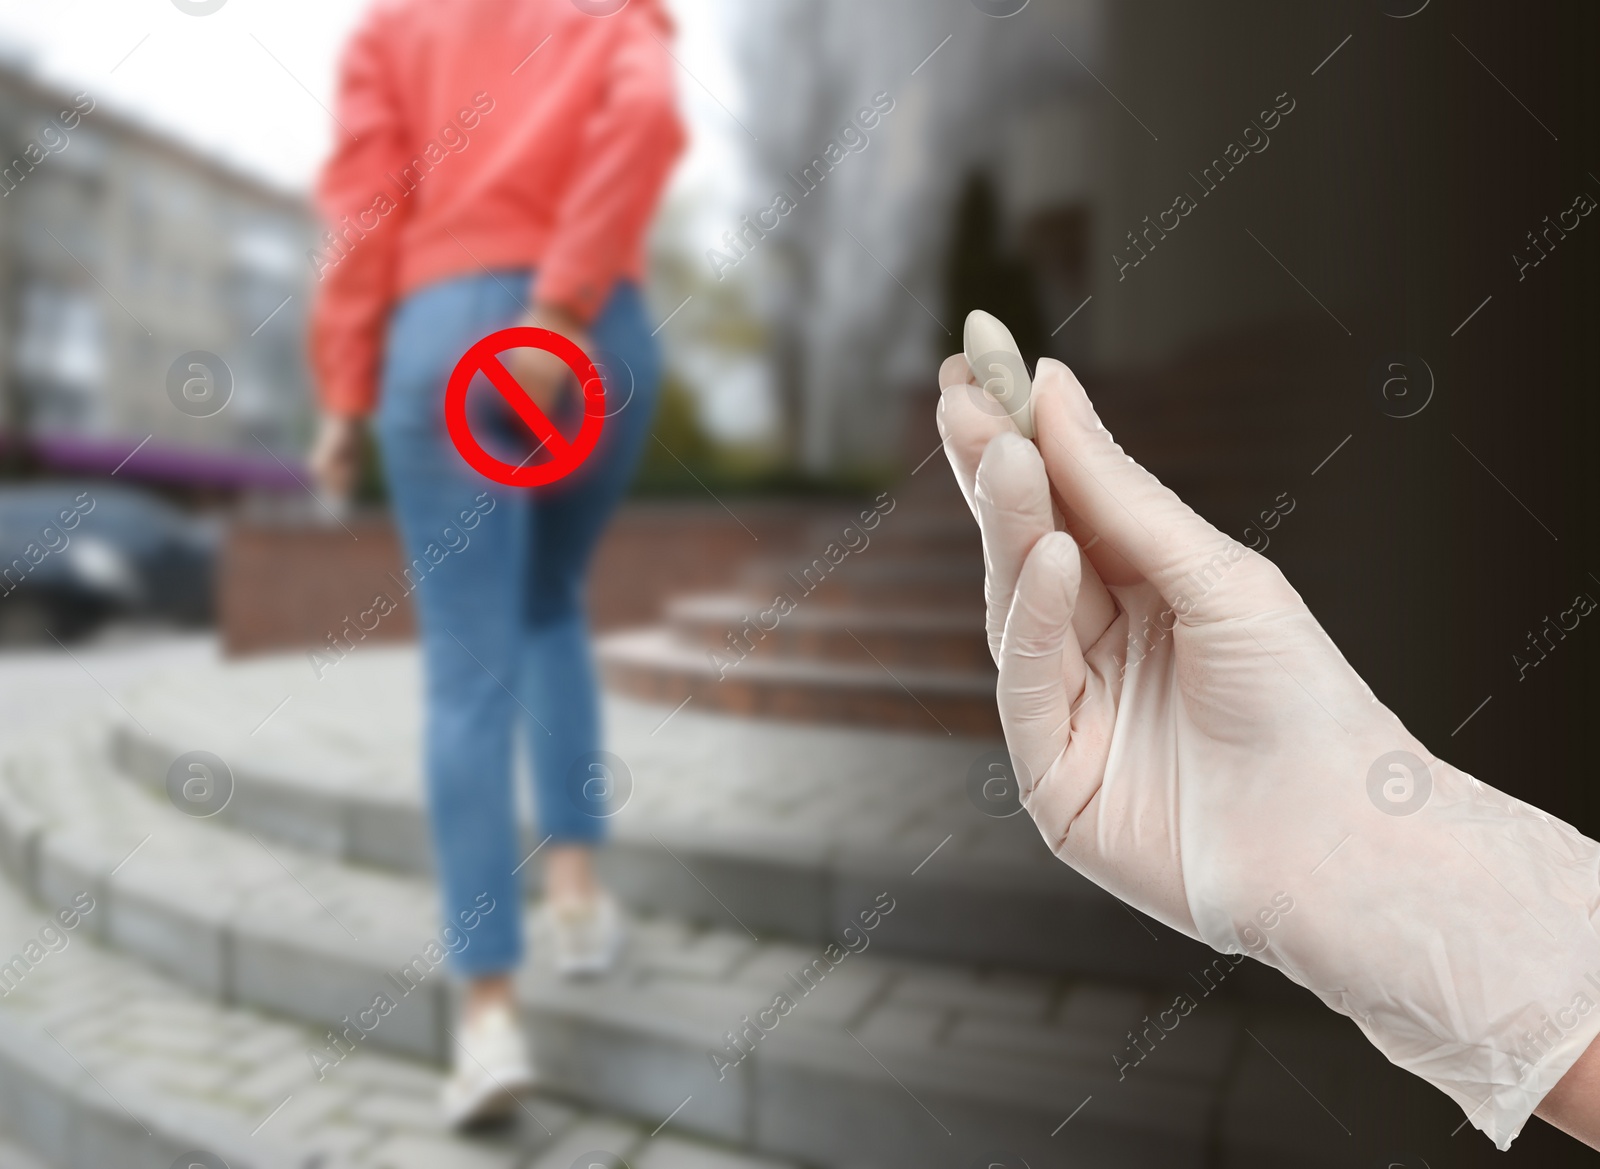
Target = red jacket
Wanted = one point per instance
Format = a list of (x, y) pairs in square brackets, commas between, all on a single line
[(486, 134)]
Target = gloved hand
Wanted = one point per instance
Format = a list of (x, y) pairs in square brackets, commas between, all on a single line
[(1188, 737)]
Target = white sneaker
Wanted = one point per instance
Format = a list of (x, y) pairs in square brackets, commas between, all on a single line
[(491, 1070), (585, 937)]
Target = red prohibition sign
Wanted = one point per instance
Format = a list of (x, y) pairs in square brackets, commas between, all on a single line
[(484, 357)]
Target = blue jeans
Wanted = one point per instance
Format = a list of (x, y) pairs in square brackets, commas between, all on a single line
[(497, 576)]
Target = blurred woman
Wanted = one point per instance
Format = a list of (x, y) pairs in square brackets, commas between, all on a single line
[(496, 163)]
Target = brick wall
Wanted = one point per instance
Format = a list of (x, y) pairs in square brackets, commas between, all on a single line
[(287, 583)]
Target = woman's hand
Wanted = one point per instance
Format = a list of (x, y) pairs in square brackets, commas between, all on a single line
[(544, 375), (1203, 751), (336, 455)]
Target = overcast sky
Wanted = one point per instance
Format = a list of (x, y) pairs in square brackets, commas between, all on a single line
[(250, 82)]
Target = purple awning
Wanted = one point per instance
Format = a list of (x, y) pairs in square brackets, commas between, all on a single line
[(154, 462)]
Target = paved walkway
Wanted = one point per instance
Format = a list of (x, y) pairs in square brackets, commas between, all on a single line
[(104, 1062), (181, 1011)]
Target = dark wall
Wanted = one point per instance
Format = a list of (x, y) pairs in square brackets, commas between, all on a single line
[(1397, 194)]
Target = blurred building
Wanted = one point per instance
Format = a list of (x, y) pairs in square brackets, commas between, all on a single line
[(122, 250)]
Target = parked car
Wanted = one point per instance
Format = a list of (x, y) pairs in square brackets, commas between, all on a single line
[(76, 555)]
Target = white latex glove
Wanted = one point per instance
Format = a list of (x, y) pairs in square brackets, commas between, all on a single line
[(1206, 754)]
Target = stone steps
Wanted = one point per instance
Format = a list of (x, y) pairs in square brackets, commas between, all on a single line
[(734, 624), (873, 1060), (872, 618), (654, 665), (785, 826), (882, 582), (907, 531), (104, 1062), (911, 1047), (877, 625)]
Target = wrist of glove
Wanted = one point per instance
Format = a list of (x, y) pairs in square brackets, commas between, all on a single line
[(1187, 736)]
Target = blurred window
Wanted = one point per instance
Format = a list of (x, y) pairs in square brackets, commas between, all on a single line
[(62, 335), (61, 354), (266, 245)]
